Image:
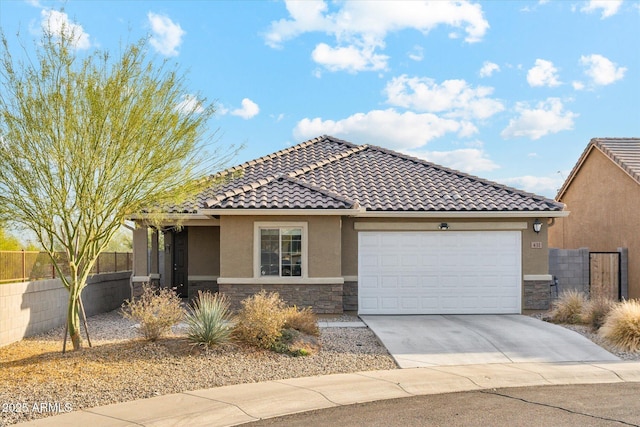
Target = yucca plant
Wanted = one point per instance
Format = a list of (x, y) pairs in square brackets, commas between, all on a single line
[(209, 320), (622, 326)]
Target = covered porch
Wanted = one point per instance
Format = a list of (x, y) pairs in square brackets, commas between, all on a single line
[(185, 258)]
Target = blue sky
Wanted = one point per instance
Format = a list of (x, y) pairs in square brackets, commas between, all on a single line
[(511, 91)]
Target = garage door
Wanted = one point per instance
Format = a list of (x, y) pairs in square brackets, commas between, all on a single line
[(448, 272)]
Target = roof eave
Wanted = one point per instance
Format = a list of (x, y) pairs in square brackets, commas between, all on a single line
[(275, 212), (463, 214), (362, 213)]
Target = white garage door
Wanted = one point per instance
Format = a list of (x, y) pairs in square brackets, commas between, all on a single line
[(444, 272)]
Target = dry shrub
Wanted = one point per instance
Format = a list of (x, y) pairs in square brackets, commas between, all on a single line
[(622, 326), (261, 319), (568, 308), (303, 320), (596, 310), (157, 310)]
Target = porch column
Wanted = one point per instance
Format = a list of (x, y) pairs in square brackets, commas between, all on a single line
[(154, 271), (140, 260)]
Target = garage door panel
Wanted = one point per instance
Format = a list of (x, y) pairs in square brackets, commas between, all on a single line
[(439, 272)]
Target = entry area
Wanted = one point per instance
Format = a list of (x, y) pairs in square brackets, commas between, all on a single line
[(439, 272), (422, 341)]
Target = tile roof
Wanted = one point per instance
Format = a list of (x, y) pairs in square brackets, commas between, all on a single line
[(625, 152), (328, 173)]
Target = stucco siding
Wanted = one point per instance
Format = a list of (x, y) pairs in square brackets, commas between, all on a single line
[(204, 251), (237, 237), (604, 202)]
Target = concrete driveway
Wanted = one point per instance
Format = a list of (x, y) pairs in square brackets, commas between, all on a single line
[(420, 341)]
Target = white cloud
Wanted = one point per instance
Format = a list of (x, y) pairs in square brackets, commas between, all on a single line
[(454, 98), (534, 123), (542, 185), (360, 28), (190, 104), (248, 110), (543, 74), (608, 7), (416, 54), (488, 68), (57, 23), (349, 58), (469, 160), (167, 35), (601, 70), (577, 85), (388, 128)]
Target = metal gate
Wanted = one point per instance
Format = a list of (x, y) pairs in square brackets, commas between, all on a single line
[(604, 275)]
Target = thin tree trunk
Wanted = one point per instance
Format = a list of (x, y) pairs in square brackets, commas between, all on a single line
[(73, 320), (84, 319)]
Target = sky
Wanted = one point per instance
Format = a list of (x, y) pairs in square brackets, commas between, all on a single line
[(511, 91)]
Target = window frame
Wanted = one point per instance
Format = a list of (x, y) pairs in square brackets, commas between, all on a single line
[(280, 225)]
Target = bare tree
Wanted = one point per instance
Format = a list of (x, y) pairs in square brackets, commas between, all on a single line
[(86, 140)]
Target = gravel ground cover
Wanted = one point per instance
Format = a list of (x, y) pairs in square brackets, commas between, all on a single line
[(36, 380)]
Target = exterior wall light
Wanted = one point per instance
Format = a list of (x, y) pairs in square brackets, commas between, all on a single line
[(443, 226), (537, 225)]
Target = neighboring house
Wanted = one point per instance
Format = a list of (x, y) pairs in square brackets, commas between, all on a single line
[(339, 226), (603, 195)]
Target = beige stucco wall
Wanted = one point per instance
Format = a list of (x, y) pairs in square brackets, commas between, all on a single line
[(236, 244), (604, 203), (534, 261), (204, 251), (140, 248)]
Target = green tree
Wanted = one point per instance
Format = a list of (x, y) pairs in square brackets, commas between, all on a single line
[(86, 140), (8, 242)]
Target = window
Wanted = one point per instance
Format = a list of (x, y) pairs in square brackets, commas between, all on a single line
[(282, 250)]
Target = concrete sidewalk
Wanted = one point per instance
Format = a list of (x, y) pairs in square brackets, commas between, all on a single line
[(237, 404)]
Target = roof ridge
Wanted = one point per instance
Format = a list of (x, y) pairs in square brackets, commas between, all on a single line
[(321, 190), (239, 190), (463, 174), (330, 159), (282, 152)]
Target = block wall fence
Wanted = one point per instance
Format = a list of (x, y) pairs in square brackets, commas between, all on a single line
[(30, 308)]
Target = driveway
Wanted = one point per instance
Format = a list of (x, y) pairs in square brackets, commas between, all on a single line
[(421, 341)]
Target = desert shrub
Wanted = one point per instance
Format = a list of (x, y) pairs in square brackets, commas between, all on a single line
[(303, 320), (622, 326), (295, 343), (261, 319), (596, 310), (208, 319), (157, 310), (568, 308)]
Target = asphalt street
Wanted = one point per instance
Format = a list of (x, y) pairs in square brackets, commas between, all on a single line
[(553, 406)]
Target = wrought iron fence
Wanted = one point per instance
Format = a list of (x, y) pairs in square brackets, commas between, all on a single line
[(22, 266)]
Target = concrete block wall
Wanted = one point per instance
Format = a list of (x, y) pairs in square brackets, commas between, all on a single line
[(30, 308), (571, 268)]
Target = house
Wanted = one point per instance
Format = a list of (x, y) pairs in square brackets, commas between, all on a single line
[(338, 226), (603, 194)]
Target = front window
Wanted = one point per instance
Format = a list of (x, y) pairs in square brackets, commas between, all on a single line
[(281, 251)]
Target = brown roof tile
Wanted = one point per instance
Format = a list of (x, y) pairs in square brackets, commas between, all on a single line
[(328, 173)]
